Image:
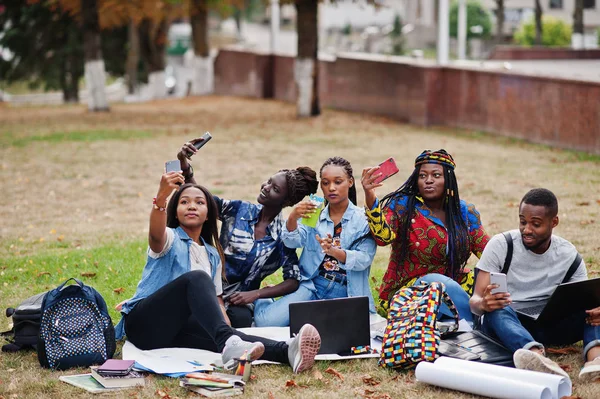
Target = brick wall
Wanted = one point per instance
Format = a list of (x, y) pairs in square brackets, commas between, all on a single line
[(558, 112)]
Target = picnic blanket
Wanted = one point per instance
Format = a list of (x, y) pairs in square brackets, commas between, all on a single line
[(176, 362)]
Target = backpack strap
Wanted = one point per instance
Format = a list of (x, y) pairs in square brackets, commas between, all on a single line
[(572, 269), (509, 252)]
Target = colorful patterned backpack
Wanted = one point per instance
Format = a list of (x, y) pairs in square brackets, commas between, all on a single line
[(76, 329), (411, 334)]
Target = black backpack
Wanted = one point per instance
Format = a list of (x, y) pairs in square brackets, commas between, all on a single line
[(26, 324), (76, 329)]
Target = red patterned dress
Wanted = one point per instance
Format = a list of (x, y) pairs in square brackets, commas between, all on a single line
[(427, 245)]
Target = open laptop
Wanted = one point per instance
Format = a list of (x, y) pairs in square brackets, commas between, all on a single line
[(342, 323), (564, 301)]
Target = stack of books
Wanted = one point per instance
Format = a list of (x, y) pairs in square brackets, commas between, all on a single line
[(213, 385), (114, 374)]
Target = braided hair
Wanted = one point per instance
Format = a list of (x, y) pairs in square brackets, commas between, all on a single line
[(344, 164), (458, 235), (301, 182)]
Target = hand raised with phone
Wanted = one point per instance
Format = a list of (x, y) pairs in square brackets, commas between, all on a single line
[(191, 147), (169, 182)]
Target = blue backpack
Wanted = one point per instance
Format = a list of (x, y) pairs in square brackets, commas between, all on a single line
[(76, 329)]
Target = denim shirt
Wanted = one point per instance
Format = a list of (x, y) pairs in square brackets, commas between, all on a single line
[(248, 260), (355, 239), (158, 272)]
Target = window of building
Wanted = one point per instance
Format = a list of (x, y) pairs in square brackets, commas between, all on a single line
[(589, 3), (556, 4)]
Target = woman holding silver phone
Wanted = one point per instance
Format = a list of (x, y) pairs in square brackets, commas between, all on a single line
[(251, 237)]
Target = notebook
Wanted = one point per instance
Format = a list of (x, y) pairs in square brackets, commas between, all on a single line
[(342, 323), (566, 299)]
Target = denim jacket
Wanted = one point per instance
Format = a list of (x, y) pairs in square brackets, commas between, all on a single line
[(158, 272), (356, 240)]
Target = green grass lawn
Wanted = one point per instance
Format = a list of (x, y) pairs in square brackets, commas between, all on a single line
[(77, 190)]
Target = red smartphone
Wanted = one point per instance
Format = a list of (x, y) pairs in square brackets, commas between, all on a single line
[(387, 169)]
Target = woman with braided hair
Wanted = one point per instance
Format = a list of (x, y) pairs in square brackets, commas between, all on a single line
[(251, 237), (337, 253), (432, 231)]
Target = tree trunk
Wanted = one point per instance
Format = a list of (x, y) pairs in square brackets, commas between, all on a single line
[(538, 23), (71, 68), (202, 64), (577, 37), (306, 68), (153, 39), (499, 22), (95, 75), (133, 57)]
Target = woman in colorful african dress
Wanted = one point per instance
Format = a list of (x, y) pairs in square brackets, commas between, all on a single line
[(432, 231)]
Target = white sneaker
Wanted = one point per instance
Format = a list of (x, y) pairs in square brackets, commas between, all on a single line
[(590, 370), (235, 348), (529, 360), (303, 348)]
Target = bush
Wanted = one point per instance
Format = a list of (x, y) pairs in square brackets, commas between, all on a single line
[(477, 15), (555, 32)]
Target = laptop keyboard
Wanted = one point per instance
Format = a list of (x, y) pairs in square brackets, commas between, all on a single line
[(533, 310)]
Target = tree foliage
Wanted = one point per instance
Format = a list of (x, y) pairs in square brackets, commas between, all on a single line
[(477, 15), (555, 32), (46, 46)]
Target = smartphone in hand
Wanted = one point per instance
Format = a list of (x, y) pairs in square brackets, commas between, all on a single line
[(173, 166), (387, 169), (206, 138), (500, 279)]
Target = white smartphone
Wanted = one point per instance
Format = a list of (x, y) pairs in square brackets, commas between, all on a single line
[(500, 279)]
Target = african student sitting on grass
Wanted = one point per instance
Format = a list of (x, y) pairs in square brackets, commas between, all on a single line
[(540, 262), (432, 231), (251, 237), (337, 253), (178, 300)]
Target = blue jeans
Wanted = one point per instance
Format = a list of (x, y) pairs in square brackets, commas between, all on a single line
[(520, 332), (456, 293), (268, 312)]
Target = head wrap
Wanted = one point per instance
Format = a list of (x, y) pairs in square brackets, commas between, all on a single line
[(440, 157)]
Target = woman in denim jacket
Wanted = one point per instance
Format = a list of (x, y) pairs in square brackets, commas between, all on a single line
[(337, 253), (178, 301), (251, 237)]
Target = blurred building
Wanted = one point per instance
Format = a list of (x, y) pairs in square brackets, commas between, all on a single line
[(422, 13)]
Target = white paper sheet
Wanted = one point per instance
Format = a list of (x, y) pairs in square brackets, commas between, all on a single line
[(171, 360), (486, 385), (187, 360), (491, 380), (559, 386)]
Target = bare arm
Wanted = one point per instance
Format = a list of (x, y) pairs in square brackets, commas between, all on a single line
[(184, 155), (328, 248), (301, 210), (157, 234), (483, 300), (368, 184), (246, 297)]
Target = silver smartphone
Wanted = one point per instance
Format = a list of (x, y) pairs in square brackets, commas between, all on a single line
[(173, 166), (500, 279)]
